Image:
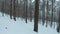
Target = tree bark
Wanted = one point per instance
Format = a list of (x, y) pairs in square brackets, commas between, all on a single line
[(36, 14)]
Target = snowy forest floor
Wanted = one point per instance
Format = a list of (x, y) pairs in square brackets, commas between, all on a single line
[(8, 26)]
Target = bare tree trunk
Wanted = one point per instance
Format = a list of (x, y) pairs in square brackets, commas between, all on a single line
[(17, 8), (10, 9), (36, 15), (14, 12), (2, 8), (47, 15), (52, 15), (58, 25), (31, 10), (43, 14), (26, 9)]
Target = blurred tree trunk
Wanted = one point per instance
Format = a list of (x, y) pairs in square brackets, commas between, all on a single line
[(31, 10), (52, 15), (17, 8), (36, 15), (10, 9), (43, 14), (58, 25), (26, 8), (2, 8), (47, 14), (14, 12)]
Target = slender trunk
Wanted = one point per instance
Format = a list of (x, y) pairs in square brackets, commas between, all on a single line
[(58, 25), (31, 10), (47, 15), (43, 14), (36, 14), (26, 6), (24, 9), (14, 12), (17, 9), (10, 9), (52, 15), (2, 8)]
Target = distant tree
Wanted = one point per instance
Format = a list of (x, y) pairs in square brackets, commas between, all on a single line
[(14, 12), (10, 9), (52, 15), (26, 7), (36, 15), (17, 7), (2, 8), (43, 12), (30, 10), (47, 14), (54, 19), (58, 25)]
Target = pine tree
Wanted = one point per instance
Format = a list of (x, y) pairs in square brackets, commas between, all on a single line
[(36, 14)]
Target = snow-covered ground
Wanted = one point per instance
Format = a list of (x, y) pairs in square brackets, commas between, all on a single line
[(8, 26)]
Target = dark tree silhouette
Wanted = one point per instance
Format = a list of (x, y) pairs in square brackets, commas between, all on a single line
[(14, 12), (26, 9), (58, 25), (36, 15), (10, 9)]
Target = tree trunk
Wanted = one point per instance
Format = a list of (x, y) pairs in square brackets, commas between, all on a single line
[(31, 10), (47, 15), (26, 9), (2, 8), (58, 25), (14, 12), (10, 9), (52, 15), (36, 14), (43, 14)]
